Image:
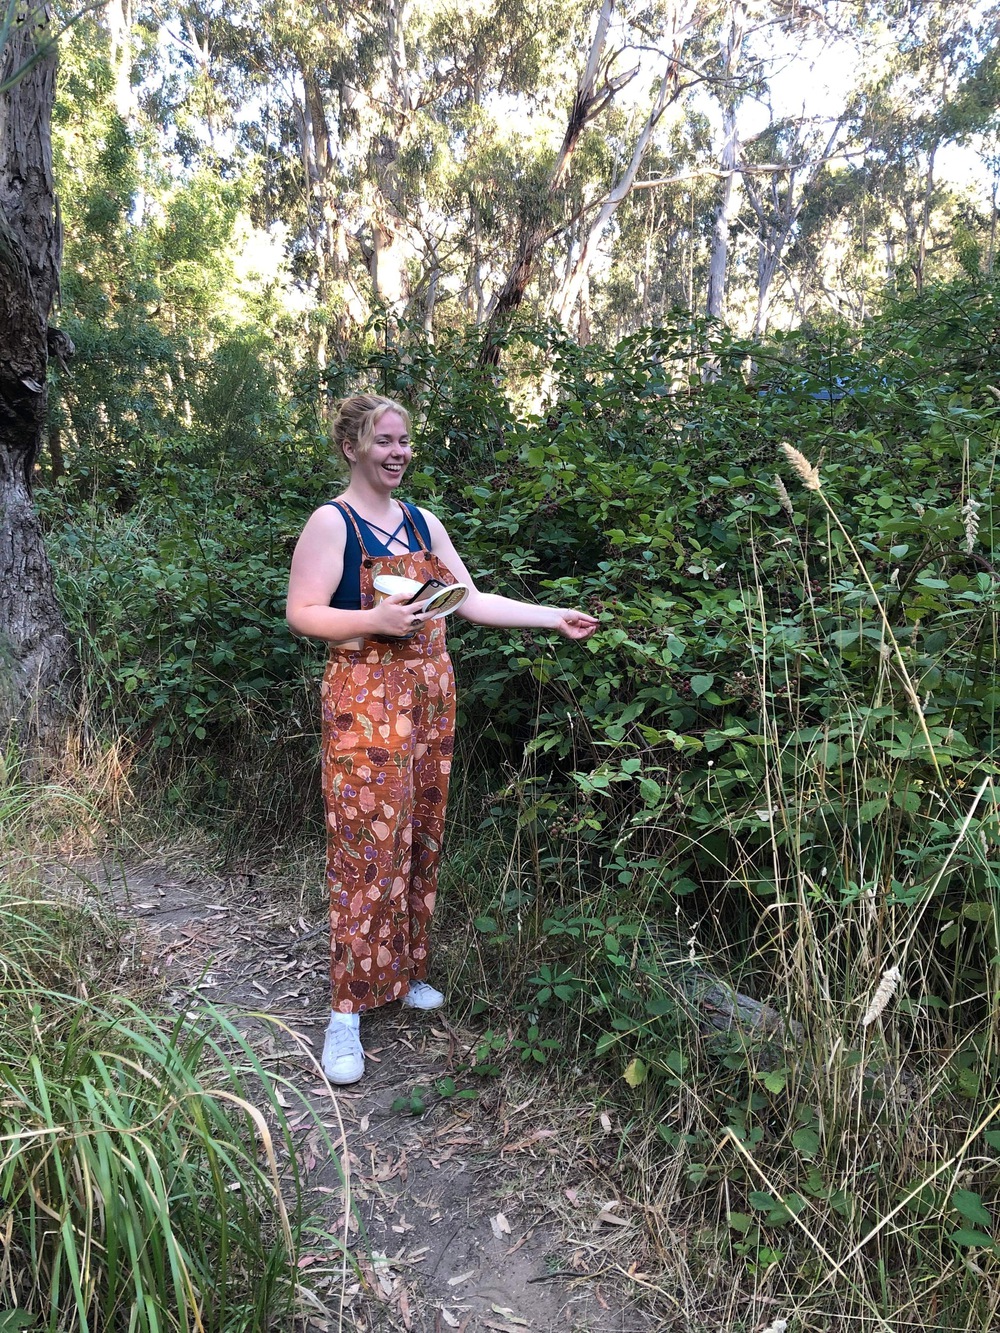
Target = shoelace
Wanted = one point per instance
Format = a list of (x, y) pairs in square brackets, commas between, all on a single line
[(341, 1040)]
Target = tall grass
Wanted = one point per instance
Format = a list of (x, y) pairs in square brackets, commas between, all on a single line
[(148, 1171)]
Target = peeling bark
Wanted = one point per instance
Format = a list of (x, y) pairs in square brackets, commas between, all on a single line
[(36, 657)]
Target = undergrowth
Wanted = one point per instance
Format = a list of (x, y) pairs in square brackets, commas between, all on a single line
[(788, 953), (148, 1175)]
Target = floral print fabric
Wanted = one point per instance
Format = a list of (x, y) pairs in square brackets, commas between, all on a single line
[(388, 714)]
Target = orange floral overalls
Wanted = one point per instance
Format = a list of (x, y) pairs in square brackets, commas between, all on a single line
[(388, 736)]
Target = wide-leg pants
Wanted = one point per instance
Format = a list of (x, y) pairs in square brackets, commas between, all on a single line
[(388, 735)]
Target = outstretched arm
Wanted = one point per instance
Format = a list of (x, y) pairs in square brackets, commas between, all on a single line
[(487, 608)]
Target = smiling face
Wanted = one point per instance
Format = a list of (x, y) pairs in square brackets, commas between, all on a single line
[(386, 459)]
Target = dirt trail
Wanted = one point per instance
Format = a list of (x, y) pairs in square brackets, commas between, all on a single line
[(473, 1214)]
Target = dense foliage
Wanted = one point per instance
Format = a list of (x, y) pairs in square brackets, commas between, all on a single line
[(642, 485), (415, 158)]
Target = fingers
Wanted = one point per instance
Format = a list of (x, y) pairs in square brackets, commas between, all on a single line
[(403, 599), (398, 619), (578, 625)]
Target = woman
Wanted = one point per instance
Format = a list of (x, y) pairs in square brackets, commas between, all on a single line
[(388, 705)]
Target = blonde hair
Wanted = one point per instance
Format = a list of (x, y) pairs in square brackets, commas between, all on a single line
[(356, 420)]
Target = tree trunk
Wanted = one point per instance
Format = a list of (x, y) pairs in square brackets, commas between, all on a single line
[(388, 266), (579, 273), (925, 221), (118, 14), (327, 232), (36, 658), (57, 462), (391, 218), (535, 229), (715, 306), (777, 216)]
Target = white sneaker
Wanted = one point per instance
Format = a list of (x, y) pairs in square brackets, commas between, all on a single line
[(422, 996), (343, 1056)]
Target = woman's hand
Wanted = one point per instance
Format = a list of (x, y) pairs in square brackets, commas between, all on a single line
[(394, 619), (575, 624)]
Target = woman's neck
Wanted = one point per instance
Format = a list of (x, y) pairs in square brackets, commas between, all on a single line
[(369, 502)]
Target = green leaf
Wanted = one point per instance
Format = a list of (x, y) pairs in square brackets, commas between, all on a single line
[(869, 810), (676, 1061), (978, 911), (972, 1239), (761, 1201), (12, 1320), (805, 1141), (701, 685), (970, 1206)]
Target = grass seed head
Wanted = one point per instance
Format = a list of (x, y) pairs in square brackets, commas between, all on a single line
[(886, 990), (801, 464), (784, 499), (970, 513)]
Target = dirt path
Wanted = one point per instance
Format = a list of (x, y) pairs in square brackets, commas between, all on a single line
[(475, 1212)]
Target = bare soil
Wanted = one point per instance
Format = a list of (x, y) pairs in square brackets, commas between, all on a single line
[(489, 1211)]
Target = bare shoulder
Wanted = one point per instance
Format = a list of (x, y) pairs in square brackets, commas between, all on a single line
[(324, 535), (328, 519)]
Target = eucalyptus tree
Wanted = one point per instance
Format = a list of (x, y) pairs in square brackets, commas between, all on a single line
[(728, 93), (626, 43), (36, 658), (794, 155), (659, 258), (678, 23), (909, 108), (766, 177)]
